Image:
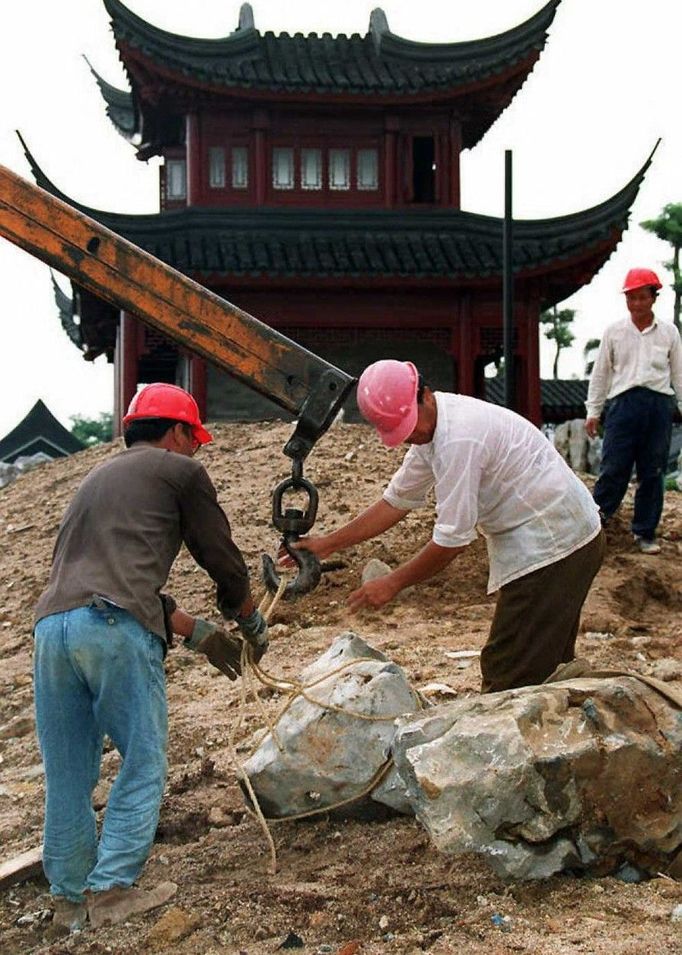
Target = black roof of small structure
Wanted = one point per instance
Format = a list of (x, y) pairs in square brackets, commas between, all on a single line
[(443, 246), (377, 67), (39, 431), (560, 399)]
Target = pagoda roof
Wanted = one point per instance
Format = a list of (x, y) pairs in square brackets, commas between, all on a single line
[(119, 104), (438, 247), (39, 431), (561, 399), (377, 68)]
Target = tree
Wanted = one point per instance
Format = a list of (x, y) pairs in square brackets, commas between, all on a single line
[(558, 331), (591, 345), (668, 226), (93, 431)]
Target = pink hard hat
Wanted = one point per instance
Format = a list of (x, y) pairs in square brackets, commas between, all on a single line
[(641, 278), (387, 398)]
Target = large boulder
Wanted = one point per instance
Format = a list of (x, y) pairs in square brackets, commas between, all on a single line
[(581, 775), (334, 740)]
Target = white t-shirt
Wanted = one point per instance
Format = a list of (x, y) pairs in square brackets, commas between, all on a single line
[(496, 473)]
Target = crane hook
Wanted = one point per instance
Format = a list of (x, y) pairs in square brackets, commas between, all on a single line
[(294, 522)]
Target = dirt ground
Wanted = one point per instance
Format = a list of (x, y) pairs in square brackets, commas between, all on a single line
[(341, 886)]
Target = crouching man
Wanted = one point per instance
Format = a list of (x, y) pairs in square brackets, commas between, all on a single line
[(101, 634)]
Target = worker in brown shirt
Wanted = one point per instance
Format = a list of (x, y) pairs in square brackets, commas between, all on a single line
[(102, 630)]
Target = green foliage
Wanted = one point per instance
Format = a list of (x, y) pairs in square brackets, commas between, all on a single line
[(668, 227), (558, 331), (93, 431)]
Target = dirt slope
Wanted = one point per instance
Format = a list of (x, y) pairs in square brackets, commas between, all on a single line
[(379, 883)]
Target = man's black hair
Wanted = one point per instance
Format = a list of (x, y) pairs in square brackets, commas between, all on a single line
[(149, 429), (421, 384)]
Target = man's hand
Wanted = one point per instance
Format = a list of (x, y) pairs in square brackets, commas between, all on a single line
[(375, 593), (222, 651), (592, 427), (254, 629), (319, 546)]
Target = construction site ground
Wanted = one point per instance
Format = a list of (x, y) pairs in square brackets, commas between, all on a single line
[(341, 886)]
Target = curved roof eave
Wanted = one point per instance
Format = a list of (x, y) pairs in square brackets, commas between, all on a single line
[(542, 244), (121, 106), (247, 59)]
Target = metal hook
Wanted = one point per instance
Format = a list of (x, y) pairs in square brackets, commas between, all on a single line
[(309, 571)]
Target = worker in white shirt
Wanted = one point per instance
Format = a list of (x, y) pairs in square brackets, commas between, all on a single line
[(495, 473), (637, 368)]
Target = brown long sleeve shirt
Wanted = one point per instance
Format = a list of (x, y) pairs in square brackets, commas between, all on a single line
[(123, 530)]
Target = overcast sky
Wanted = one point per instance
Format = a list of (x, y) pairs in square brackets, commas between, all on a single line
[(605, 88)]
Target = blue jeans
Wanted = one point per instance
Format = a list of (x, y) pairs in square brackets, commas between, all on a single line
[(97, 672), (637, 434)]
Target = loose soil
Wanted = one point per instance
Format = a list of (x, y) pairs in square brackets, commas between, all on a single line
[(342, 886)]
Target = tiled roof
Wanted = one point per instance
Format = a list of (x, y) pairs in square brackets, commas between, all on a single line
[(39, 431), (560, 398), (379, 64), (451, 245)]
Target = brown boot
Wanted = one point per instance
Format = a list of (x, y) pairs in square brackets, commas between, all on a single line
[(68, 917), (120, 903)]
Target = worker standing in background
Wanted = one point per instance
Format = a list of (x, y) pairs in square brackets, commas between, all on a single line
[(496, 473), (101, 635), (637, 368)]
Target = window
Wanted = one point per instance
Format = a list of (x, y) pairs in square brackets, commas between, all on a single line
[(283, 167), (216, 167), (176, 179), (311, 169), (240, 167), (368, 169), (339, 169)]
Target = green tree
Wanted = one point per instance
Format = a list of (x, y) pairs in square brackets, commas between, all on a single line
[(558, 331), (668, 226), (590, 346), (93, 431)]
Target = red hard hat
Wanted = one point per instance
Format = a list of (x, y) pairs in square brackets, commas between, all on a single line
[(387, 398), (160, 400), (641, 278)]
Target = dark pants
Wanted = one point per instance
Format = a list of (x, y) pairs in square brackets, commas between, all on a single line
[(636, 434), (536, 620)]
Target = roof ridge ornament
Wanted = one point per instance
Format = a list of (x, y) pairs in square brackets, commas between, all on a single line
[(246, 18), (378, 26)]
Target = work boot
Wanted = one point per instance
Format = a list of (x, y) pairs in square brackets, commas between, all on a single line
[(121, 902), (68, 917), (647, 545)]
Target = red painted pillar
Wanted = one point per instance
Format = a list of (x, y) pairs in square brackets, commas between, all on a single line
[(194, 170), (465, 376), (390, 161), (260, 145), (453, 160), (197, 382), (533, 394), (125, 366)]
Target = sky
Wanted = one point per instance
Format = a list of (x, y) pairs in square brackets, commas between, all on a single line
[(604, 90)]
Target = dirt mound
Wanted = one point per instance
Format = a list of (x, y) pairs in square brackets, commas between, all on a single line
[(381, 884)]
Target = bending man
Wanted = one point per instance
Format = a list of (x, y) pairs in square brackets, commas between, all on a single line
[(492, 472)]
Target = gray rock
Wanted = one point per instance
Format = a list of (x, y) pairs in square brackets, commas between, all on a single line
[(373, 569), (580, 775), (667, 669), (327, 755), (578, 444)]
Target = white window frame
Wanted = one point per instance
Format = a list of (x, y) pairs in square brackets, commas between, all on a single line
[(372, 156), (339, 162), (176, 179), (239, 159), (311, 160), (285, 153), (216, 167)]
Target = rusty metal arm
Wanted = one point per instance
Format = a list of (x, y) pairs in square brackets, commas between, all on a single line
[(121, 273)]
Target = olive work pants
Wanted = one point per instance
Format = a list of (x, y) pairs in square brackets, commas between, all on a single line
[(536, 620)]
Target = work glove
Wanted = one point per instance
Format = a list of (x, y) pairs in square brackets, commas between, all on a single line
[(222, 651), (254, 629)]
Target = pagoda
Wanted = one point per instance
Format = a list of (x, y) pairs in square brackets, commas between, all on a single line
[(314, 181)]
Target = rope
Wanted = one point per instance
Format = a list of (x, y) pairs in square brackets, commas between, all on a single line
[(294, 689)]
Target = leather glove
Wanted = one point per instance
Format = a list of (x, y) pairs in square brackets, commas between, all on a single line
[(254, 629), (222, 651)]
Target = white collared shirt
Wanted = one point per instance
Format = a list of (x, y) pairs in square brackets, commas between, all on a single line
[(495, 472), (628, 358)]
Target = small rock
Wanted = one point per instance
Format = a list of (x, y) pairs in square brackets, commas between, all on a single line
[(384, 922), (172, 927), (373, 569), (219, 819), (667, 669), (292, 941), (598, 635), (261, 933), (503, 922), (676, 914), (19, 726)]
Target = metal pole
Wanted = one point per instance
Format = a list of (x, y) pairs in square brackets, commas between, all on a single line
[(508, 286)]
